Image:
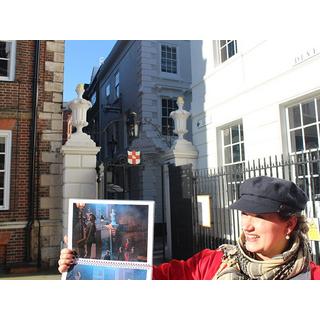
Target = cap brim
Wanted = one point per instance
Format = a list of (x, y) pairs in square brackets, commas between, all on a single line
[(253, 204)]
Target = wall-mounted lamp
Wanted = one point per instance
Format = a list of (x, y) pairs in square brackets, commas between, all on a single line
[(133, 125)]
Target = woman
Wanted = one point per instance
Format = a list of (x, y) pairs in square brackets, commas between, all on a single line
[(273, 244)]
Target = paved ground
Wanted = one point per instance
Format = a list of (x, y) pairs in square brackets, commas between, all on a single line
[(41, 275), (31, 277)]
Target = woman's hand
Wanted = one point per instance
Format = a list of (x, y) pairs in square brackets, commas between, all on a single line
[(67, 258)]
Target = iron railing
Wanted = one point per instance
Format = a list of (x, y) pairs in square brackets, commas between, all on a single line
[(221, 186)]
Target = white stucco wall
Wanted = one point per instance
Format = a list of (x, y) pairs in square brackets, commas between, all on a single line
[(254, 85)]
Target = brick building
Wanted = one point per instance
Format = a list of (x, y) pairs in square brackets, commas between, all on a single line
[(31, 85)]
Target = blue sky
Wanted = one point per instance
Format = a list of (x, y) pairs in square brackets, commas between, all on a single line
[(80, 58)]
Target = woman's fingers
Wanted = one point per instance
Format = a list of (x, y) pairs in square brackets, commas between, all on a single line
[(67, 258)]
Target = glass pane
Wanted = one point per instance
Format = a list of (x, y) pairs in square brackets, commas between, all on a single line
[(227, 155), (226, 136), (235, 134), (5, 48), (223, 54), (303, 183), (222, 43), (236, 152), (2, 49), (241, 132), (315, 165), (311, 137), (318, 108), (301, 165), (231, 50), (1, 161), (164, 112), (4, 68), (316, 185), (242, 152), (117, 78), (308, 113), (1, 179), (1, 198), (296, 140), (2, 145), (294, 117)]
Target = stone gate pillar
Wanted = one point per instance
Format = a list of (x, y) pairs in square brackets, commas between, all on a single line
[(79, 158), (182, 152)]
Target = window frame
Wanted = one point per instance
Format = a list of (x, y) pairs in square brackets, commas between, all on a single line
[(231, 144), (12, 62), (117, 84), (169, 131), (7, 134), (235, 176), (304, 153), (302, 126), (108, 90), (93, 98), (176, 61), (221, 47)]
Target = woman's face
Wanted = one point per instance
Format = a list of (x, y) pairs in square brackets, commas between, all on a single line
[(265, 234)]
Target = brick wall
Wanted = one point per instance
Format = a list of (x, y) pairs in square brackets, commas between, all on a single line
[(16, 115)]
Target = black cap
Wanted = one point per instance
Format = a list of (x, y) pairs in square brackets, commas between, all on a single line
[(267, 195)]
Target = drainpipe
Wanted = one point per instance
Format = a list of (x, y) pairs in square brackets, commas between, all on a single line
[(33, 143)]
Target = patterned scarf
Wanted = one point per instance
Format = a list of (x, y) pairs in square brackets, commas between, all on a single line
[(240, 264)]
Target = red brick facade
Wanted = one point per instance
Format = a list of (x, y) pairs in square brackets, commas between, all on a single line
[(16, 115)]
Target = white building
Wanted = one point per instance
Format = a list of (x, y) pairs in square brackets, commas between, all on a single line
[(254, 99)]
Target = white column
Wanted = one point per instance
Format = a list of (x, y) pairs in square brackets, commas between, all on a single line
[(79, 159)]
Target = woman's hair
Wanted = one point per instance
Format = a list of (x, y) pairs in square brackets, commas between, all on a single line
[(301, 227)]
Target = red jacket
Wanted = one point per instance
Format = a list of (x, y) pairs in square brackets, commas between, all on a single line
[(202, 266)]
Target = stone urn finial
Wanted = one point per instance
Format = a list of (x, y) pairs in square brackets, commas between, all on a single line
[(79, 108), (180, 117)]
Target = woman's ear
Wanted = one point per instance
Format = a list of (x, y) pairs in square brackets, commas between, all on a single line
[(291, 224)]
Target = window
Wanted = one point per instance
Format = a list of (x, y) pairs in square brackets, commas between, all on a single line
[(117, 84), (5, 160), (227, 49), (233, 158), (168, 59), (303, 123), (233, 145), (93, 98), (108, 90), (7, 60), (168, 105)]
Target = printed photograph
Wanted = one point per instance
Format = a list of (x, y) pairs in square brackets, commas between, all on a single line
[(109, 230)]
